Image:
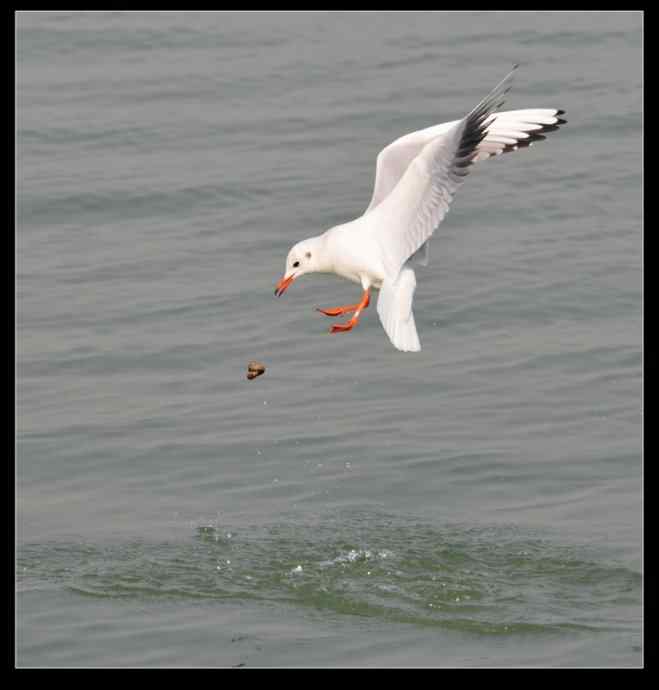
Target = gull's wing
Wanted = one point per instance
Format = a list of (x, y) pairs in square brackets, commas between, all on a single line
[(507, 131), (517, 129), (409, 214), (393, 160)]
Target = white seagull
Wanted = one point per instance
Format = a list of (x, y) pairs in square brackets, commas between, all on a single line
[(416, 178)]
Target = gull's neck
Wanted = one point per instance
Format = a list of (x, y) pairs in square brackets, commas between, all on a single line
[(324, 253)]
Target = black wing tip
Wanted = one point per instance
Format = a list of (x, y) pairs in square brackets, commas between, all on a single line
[(524, 143), (537, 135), (478, 122)]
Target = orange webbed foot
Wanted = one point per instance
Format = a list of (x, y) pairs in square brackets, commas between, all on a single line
[(343, 327), (337, 311), (347, 308)]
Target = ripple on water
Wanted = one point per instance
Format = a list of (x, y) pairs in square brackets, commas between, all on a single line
[(486, 580)]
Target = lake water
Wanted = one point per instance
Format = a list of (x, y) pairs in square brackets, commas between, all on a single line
[(476, 504)]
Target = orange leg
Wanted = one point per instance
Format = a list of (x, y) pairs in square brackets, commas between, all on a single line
[(339, 311), (349, 325)]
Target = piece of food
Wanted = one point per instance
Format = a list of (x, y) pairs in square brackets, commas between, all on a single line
[(255, 369)]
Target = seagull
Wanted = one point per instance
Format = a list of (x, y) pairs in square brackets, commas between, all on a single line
[(415, 180)]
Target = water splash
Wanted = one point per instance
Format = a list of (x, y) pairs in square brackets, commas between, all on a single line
[(485, 580)]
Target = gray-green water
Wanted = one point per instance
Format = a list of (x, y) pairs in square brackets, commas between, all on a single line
[(476, 504)]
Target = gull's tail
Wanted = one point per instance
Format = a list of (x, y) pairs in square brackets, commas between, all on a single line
[(395, 311)]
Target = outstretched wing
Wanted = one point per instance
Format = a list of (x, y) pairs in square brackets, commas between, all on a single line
[(409, 214), (507, 131)]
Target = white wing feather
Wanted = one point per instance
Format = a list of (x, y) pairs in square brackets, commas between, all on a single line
[(408, 216), (507, 131)]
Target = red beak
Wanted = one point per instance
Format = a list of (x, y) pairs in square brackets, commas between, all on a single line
[(283, 284)]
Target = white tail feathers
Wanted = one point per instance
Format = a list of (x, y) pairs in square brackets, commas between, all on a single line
[(395, 311)]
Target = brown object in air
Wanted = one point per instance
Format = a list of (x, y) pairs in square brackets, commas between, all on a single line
[(255, 369)]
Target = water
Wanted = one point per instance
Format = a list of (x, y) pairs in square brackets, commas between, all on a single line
[(477, 504)]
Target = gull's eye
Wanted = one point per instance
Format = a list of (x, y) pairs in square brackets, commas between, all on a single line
[(296, 264)]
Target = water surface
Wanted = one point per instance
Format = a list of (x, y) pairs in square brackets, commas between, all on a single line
[(476, 504)]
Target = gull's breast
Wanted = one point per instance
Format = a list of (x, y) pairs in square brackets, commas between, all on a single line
[(356, 256)]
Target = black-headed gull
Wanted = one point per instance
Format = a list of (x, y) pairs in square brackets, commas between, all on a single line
[(416, 178)]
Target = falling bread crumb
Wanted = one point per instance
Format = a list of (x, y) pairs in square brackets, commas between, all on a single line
[(255, 369)]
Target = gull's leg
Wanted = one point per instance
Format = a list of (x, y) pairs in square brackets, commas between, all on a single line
[(349, 325), (338, 311)]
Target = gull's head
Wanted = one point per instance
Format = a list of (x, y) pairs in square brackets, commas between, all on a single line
[(304, 257)]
